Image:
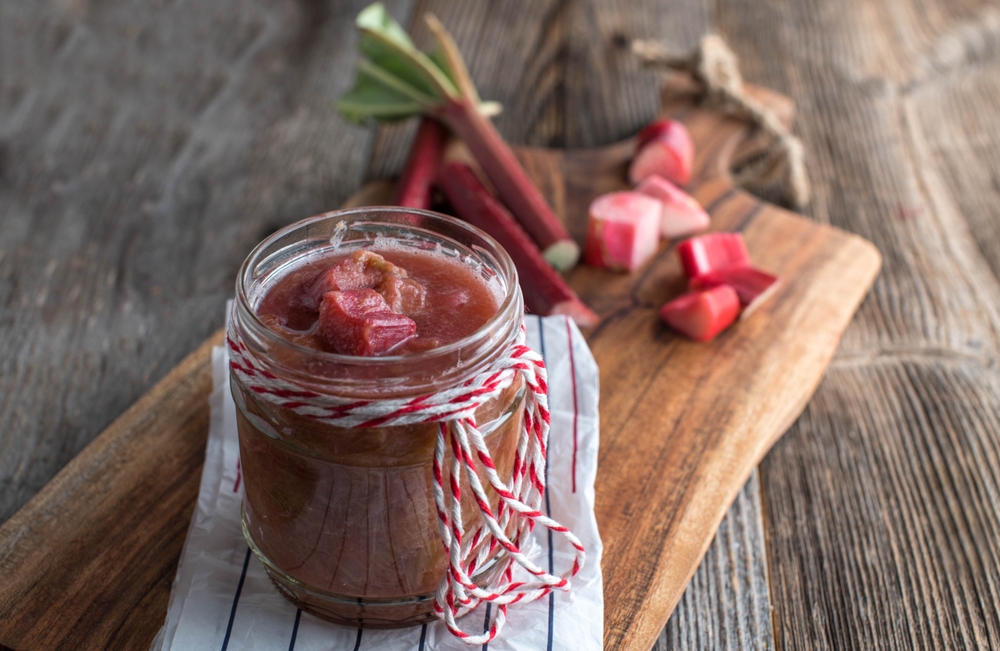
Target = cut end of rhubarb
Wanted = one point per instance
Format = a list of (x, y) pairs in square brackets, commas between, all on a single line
[(681, 214), (761, 298), (664, 128), (563, 255)]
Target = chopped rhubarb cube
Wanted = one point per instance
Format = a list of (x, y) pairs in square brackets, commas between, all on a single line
[(701, 315), (753, 286), (713, 251), (681, 214), (664, 147), (280, 325), (360, 322), (623, 231), (661, 128)]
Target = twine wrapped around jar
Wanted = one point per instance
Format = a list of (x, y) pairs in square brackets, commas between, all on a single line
[(454, 410)]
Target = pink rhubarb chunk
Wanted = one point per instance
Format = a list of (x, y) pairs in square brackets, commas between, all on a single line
[(360, 322), (701, 315), (711, 252), (753, 286), (623, 231), (368, 270), (665, 148), (681, 214)]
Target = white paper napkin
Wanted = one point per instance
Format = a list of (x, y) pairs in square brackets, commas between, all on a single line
[(222, 599)]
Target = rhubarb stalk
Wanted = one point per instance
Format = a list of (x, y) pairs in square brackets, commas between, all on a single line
[(414, 187), (398, 80), (623, 231), (545, 292)]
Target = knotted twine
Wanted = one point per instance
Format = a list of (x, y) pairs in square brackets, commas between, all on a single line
[(715, 67), (454, 410)]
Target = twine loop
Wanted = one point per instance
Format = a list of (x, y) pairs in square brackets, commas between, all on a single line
[(713, 65), (519, 500)]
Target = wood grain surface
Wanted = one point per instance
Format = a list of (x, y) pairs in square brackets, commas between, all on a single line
[(145, 147), (90, 561), (727, 605), (683, 424)]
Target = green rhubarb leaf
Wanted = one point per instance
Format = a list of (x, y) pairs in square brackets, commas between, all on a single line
[(399, 66), (387, 45), (398, 80), (382, 76), (371, 98), (375, 18), (439, 59)]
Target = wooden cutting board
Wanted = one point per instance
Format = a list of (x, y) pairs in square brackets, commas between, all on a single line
[(88, 562)]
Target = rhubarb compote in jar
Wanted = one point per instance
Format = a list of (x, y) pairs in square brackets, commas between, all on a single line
[(367, 307)]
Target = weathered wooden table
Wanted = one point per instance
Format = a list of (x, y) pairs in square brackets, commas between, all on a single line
[(145, 147)]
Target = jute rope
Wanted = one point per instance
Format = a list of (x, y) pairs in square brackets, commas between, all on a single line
[(715, 67), (453, 410)]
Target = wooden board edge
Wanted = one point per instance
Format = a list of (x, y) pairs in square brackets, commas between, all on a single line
[(646, 630), (122, 430)]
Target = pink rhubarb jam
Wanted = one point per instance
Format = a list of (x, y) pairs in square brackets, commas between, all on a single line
[(389, 302)]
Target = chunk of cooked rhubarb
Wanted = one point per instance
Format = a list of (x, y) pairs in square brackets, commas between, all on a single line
[(360, 322), (753, 286), (681, 214), (280, 325), (702, 314), (367, 270), (664, 147), (623, 231), (403, 295), (711, 252)]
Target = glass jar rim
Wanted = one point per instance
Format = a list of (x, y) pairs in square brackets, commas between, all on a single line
[(511, 297)]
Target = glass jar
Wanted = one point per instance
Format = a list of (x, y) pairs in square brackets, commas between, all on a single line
[(344, 519)]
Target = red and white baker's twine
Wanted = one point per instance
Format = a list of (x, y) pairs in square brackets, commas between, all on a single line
[(454, 410)]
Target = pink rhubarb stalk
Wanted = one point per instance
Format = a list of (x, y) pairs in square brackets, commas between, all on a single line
[(545, 292), (396, 80), (414, 187), (512, 184)]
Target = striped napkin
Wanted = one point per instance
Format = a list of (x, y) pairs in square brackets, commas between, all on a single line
[(222, 599)]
